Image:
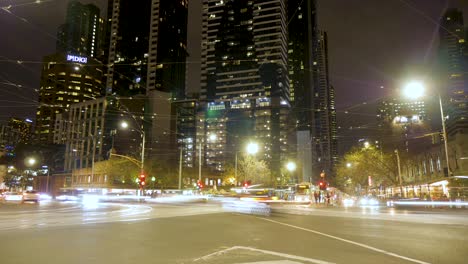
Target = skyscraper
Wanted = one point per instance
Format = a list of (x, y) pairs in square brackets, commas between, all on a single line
[(65, 80), (454, 68), (81, 32), (312, 95), (146, 55), (72, 74), (245, 78), (146, 46)]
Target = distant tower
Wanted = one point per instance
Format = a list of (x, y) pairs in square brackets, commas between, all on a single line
[(81, 32), (312, 95), (454, 68), (245, 79), (146, 47), (73, 74)]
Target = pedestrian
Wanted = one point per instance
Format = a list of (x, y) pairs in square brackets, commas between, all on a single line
[(316, 197)]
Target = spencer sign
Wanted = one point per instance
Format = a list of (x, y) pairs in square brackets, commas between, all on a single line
[(78, 59)]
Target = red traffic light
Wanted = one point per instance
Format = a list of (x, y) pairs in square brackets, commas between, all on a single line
[(199, 184), (322, 185)]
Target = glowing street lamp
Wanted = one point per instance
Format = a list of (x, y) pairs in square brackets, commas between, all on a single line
[(213, 137), (348, 165), (291, 166), (124, 125), (31, 161), (413, 90), (366, 144), (252, 148)]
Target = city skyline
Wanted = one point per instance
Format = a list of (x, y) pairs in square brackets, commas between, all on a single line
[(369, 73)]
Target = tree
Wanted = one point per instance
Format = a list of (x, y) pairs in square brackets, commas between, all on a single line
[(358, 164), (251, 169)]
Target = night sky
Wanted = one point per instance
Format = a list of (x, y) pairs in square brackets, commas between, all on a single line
[(372, 44)]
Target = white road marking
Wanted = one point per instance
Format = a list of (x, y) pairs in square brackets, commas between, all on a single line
[(283, 255), (347, 241)]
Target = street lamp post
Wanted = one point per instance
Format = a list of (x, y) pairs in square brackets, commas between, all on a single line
[(414, 90), (444, 135), (143, 141), (399, 172)]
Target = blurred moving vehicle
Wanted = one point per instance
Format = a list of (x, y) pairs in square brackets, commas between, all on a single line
[(31, 196), (12, 196), (368, 201), (247, 207), (69, 195)]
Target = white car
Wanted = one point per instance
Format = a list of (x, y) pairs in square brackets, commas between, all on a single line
[(32, 196), (12, 196)]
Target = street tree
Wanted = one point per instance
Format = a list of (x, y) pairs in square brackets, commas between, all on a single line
[(360, 163)]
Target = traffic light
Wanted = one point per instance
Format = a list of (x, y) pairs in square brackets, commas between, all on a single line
[(199, 184), (247, 183), (322, 185), (142, 179)]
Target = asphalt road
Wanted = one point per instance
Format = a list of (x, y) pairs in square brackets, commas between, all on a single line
[(203, 233)]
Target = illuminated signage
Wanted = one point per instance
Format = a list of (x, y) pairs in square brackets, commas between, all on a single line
[(78, 59)]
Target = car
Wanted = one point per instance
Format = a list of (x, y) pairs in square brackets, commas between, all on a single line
[(12, 196), (31, 196)]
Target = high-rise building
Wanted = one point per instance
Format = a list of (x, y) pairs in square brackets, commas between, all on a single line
[(146, 46), (146, 54), (16, 131), (65, 80), (73, 74), (454, 68), (81, 33), (324, 130), (245, 79), (185, 126), (312, 95)]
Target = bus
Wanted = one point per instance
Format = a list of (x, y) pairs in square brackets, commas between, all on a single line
[(303, 192)]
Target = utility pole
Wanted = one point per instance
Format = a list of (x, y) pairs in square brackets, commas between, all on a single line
[(199, 161), (444, 132), (235, 170), (180, 169), (92, 159), (399, 171)]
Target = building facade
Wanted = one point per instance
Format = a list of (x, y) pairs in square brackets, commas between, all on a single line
[(244, 79), (312, 95), (82, 31), (146, 47), (66, 79), (453, 59)]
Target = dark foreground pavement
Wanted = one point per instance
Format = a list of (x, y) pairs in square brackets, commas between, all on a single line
[(233, 238)]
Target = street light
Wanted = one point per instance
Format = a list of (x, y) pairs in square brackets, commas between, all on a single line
[(252, 148), (125, 125), (291, 166), (414, 90), (31, 161), (348, 165), (366, 144)]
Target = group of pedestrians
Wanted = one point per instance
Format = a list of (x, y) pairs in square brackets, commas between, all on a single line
[(320, 197)]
